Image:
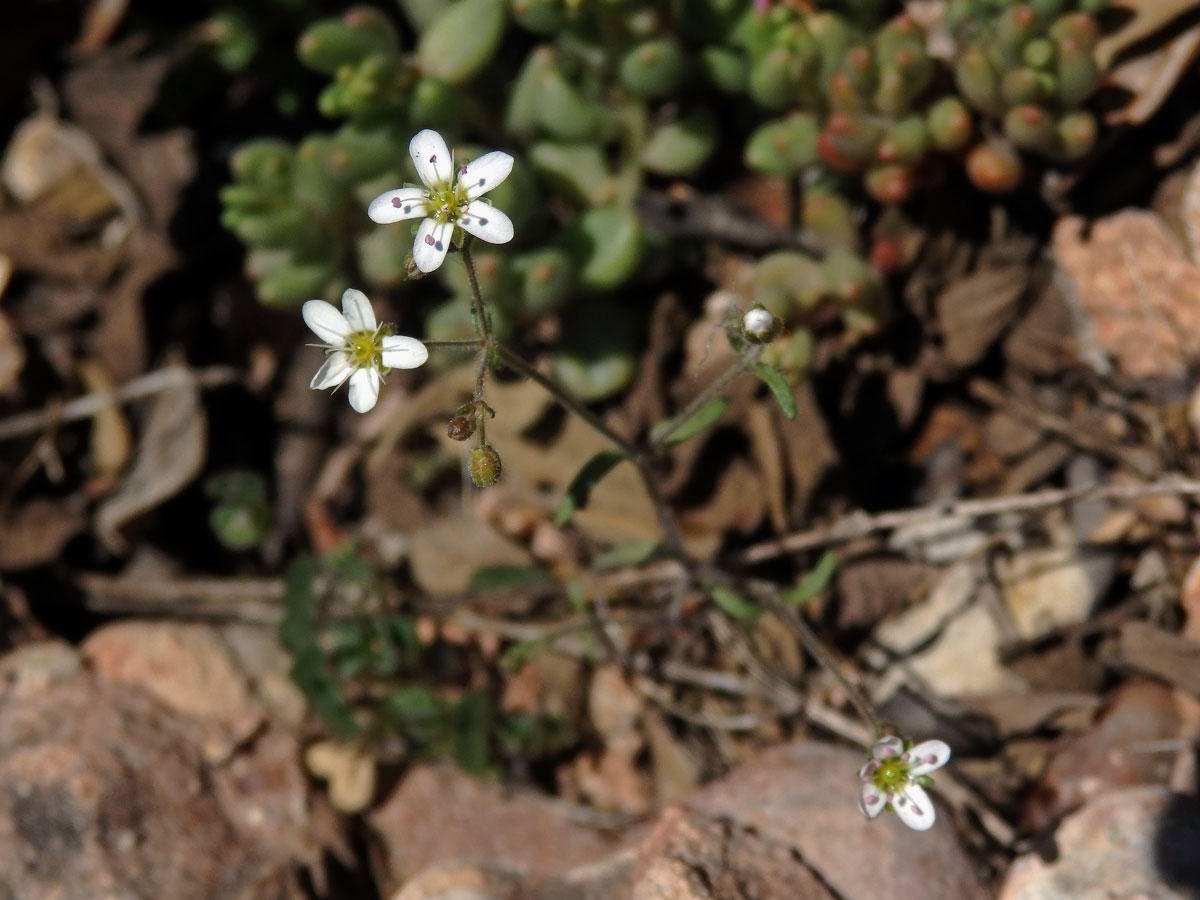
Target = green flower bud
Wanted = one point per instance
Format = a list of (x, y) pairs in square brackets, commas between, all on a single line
[(949, 123), (462, 40), (484, 465), (332, 43), (783, 147), (653, 69)]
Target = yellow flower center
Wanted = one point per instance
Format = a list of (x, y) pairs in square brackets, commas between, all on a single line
[(892, 775), (362, 348)]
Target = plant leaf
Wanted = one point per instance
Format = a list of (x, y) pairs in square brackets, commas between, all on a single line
[(733, 604), (581, 485), (814, 582), (633, 553), (776, 381), (697, 422), (499, 579)]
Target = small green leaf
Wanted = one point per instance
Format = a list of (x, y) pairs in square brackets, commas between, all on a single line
[(814, 582), (632, 554), (775, 380), (733, 604), (499, 579), (581, 486), (701, 419)]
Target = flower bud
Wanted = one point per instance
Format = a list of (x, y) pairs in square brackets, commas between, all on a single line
[(460, 427), (484, 464), (759, 326)]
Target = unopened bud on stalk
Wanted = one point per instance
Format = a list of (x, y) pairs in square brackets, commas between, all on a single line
[(484, 464), (759, 326)]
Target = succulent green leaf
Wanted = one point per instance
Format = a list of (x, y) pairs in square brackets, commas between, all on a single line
[(607, 244), (462, 40), (681, 147)]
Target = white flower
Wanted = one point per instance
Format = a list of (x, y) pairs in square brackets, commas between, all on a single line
[(446, 203), (356, 349), (896, 778)]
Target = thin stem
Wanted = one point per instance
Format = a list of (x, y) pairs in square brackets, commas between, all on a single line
[(518, 364), (639, 457), (469, 342), (482, 323), (744, 361)]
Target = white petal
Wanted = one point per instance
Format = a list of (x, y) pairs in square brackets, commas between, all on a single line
[(364, 389), (927, 756), (357, 310), (400, 352), (887, 747), (486, 222), (333, 371), (868, 770), (483, 174), (431, 244), (326, 322), (914, 808), (431, 156), (395, 206), (871, 800)]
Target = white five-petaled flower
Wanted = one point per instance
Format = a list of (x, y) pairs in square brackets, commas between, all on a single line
[(896, 778), (357, 349), (446, 202)]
